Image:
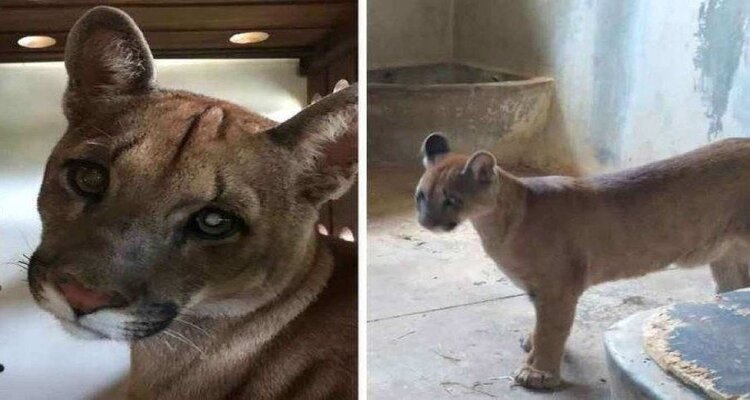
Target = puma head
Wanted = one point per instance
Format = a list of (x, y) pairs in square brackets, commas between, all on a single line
[(454, 187), (159, 202)]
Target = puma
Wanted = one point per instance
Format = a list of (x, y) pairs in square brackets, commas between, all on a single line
[(185, 225), (556, 236)]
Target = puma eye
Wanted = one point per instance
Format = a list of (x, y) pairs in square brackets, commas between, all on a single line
[(450, 201), (88, 179), (212, 223)]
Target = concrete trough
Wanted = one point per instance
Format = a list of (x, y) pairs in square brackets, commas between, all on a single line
[(476, 108)]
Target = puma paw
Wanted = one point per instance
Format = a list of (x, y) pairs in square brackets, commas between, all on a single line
[(531, 378)]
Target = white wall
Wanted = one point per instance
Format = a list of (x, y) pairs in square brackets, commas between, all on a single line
[(31, 93)]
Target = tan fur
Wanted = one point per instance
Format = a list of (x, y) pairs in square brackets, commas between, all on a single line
[(266, 313), (556, 236)]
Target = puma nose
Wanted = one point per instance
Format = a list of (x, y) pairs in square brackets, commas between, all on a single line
[(425, 221), (84, 300)]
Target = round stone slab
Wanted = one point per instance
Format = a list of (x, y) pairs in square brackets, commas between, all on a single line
[(632, 373), (706, 345)]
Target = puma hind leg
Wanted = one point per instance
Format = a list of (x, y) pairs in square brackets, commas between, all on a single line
[(730, 275), (731, 271)]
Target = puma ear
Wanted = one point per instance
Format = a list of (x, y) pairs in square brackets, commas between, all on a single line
[(323, 139), (106, 55), (434, 148), (341, 84), (481, 166), (329, 182), (317, 124)]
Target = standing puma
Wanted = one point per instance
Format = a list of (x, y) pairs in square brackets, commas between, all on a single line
[(556, 236), (185, 225)]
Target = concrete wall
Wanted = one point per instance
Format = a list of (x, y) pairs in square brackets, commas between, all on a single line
[(636, 80), (409, 32)]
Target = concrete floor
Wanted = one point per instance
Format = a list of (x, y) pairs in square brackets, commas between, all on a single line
[(444, 322)]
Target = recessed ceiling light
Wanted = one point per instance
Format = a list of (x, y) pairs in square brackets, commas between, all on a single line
[(36, 42), (346, 234), (249, 37)]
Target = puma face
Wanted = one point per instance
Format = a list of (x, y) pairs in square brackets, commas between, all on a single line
[(157, 203), (454, 187)]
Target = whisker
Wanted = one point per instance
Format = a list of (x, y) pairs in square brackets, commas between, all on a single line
[(205, 332), (169, 346), (20, 264), (100, 130), (189, 311), (95, 143), (184, 340)]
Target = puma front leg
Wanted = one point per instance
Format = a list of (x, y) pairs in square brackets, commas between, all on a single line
[(554, 318), (527, 343)]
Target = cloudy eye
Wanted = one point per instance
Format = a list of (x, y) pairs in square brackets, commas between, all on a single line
[(212, 223), (88, 179)]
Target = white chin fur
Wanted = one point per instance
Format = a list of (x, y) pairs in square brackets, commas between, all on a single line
[(109, 323), (75, 330), (103, 324), (54, 302)]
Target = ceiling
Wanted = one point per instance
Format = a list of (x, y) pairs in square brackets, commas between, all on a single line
[(311, 30)]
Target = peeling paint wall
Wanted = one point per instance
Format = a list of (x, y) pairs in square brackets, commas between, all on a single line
[(636, 80), (721, 36)]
